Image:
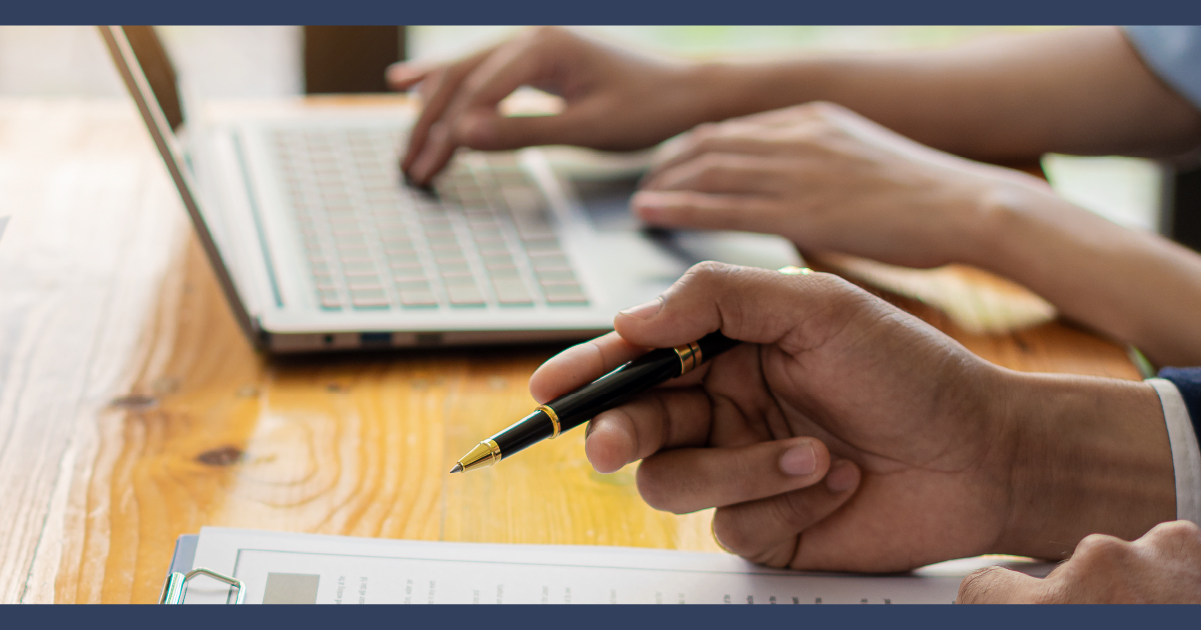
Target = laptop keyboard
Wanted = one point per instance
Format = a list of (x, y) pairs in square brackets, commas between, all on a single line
[(482, 239)]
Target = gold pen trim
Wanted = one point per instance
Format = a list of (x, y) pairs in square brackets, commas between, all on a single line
[(554, 418), (690, 357), (484, 454)]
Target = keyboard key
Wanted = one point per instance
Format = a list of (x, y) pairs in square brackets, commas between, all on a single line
[(401, 258), (566, 299), (365, 284), (462, 279), (443, 240), (497, 259), (418, 299), (449, 256), (413, 285), (453, 266), (550, 276), (543, 261), (465, 296), (325, 283), (511, 291), (563, 288), (503, 271), (408, 274), (369, 298), (548, 245), (522, 199), (360, 274)]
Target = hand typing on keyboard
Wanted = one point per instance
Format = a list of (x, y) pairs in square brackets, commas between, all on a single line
[(484, 239), (614, 100)]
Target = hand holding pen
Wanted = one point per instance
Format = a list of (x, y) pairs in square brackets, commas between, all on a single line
[(841, 434)]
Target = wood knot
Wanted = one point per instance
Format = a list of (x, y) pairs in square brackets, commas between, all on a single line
[(224, 456)]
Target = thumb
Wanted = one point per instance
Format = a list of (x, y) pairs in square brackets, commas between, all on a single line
[(744, 303), (997, 585)]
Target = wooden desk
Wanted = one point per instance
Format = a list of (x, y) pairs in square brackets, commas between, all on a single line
[(132, 411)]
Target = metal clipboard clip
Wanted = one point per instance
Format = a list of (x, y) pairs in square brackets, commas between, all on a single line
[(177, 584)]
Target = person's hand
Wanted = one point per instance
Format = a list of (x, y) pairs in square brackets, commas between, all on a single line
[(932, 453), (829, 180), (1162, 567), (613, 99)]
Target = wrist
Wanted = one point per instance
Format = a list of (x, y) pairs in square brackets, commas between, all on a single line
[(1090, 456), (1000, 230), (728, 89)]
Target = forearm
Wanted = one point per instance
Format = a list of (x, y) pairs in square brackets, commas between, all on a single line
[(1091, 456), (1080, 91), (1135, 286)]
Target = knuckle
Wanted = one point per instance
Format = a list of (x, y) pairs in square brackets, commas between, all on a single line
[(977, 585), (1098, 551), (1180, 534), (711, 271), (654, 489), (704, 132), (728, 529), (707, 164), (825, 110)]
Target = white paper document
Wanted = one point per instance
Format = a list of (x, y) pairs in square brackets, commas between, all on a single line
[(313, 569), (3, 224)]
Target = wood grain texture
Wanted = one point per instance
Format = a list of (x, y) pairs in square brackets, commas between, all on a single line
[(132, 411)]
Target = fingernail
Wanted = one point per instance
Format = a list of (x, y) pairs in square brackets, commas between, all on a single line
[(842, 476), (646, 310), (588, 429), (799, 460)]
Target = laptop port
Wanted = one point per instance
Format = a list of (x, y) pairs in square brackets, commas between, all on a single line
[(375, 339)]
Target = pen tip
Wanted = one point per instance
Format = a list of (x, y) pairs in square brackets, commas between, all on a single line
[(457, 468)]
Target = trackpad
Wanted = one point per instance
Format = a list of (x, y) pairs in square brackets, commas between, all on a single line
[(606, 203)]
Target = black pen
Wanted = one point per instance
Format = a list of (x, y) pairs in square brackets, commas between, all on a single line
[(571, 410)]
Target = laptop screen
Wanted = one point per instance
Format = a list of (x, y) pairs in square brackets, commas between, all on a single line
[(151, 80), (152, 57)]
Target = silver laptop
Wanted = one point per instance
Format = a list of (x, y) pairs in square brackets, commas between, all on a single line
[(319, 246)]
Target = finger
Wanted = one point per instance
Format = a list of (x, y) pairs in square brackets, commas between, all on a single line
[(508, 67), (666, 418), (997, 585), (581, 364), (698, 143), (403, 75), (438, 88), (683, 480), (744, 303), (771, 530), (705, 211), (720, 173), (487, 130)]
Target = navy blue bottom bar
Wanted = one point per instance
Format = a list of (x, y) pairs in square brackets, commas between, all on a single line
[(599, 617)]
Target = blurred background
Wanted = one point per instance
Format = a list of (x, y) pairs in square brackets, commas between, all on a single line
[(275, 61)]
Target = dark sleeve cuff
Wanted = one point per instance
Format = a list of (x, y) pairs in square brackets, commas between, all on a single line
[(1188, 382)]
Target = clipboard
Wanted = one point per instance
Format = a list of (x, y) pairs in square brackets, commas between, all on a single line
[(175, 587)]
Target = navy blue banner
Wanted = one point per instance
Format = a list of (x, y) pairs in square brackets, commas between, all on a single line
[(600, 617), (606, 12)]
